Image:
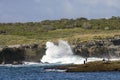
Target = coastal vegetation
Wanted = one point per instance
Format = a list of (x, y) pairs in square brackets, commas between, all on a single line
[(80, 29)]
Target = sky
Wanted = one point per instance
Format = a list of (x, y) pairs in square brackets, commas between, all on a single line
[(38, 10)]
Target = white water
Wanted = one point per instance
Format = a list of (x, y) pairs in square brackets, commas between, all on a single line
[(62, 53)]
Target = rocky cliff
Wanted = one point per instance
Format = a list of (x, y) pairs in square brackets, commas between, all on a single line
[(16, 54), (109, 48)]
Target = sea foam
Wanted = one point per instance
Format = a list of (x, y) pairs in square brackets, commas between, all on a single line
[(62, 53)]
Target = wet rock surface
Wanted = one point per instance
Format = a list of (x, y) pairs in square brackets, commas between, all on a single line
[(97, 66)]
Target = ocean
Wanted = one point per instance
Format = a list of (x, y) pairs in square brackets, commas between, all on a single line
[(37, 72)]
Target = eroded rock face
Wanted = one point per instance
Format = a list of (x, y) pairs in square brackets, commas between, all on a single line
[(12, 55), (99, 48), (16, 54), (34, 53)]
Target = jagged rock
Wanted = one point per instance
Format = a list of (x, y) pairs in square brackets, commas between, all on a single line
[(9, 55), (116, 41), (98, 48), (16, 54)]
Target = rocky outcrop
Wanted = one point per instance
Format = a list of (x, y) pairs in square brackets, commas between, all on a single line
[(99, 48), (97, 66), (12, 55), (16, 54), (34, 52)]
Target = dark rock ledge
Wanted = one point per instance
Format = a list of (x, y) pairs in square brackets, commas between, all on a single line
[(97, 66)]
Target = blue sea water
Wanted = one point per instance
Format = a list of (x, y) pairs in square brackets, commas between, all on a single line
[(38, 73)]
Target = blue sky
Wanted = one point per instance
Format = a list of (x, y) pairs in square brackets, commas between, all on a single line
[(37, 10)]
